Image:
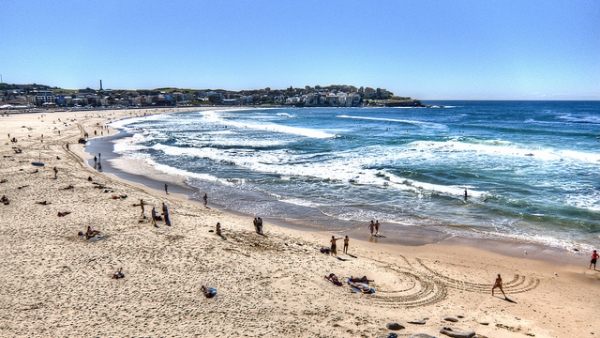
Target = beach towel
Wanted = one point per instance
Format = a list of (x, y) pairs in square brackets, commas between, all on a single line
[(355, 289)]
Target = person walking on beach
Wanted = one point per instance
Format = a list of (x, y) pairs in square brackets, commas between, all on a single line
[(334, 245), (153, 222), (205, 199), (377, 228), (498, 284), (260, 224), (594, 259), (142, 206), (255, 222), (346, 241), (218, 228), (166, 214), (166, 189), (372, 227)]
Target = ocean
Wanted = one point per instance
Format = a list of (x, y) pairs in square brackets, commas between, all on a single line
[(531, 168)]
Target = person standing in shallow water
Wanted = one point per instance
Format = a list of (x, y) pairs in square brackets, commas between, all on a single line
[(372, 227), (205, 199), (377, 228)]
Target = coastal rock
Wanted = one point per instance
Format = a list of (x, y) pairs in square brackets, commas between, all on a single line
[(394, 326), (460, 316), (421, 335), (456, 332), (484, 323), (450, 319), (418, 322)]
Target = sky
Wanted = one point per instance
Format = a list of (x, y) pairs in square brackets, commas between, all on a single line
[(429, 50)]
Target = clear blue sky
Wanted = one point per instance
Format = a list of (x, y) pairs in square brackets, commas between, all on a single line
[(485, 49)]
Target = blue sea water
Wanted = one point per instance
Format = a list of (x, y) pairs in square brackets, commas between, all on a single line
[(531, 169)]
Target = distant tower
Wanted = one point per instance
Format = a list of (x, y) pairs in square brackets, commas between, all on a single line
[(101, 85)]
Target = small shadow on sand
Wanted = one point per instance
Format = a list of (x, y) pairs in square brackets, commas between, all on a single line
[(351, 255), (341, 259), (509, 300)]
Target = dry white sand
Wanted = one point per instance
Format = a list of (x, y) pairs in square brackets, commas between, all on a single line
[(54, 283)]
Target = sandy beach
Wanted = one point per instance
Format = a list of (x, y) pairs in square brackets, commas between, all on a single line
[(55, 283)]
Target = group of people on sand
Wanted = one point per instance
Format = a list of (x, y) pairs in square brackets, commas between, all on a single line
[(333, 241), (353, 282), (155, 216)]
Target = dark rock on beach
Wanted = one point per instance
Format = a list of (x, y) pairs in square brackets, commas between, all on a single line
[(456, 332), (394, 326), (450, 319), (421, 335)]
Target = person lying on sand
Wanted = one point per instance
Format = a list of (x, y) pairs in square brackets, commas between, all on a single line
[(43, 203), (91, 233), (364, 289), (63, 213), (206, 291), (362, 279), (332, 278), (118, 274)]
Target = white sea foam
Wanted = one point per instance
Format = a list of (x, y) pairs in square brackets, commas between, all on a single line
[(215, 117), (413, 122)]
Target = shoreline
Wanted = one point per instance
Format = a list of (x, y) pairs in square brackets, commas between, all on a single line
[(410, 235), (268, 286)]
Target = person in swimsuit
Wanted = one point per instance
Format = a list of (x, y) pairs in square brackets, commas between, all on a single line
[(498, 284), (205, 198), (218, 230), (594, 259), (362, 279), (377, 228), (372, 227), (364, 289), (346, 241), (91, 233), (118, 274), (333, 279), (334, 245), (206, 291)]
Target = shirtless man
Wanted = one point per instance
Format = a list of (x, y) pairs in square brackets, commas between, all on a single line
[(334, 245), (205, 198), (377, 228), (346, 241), (372, 227), (498, 284)]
